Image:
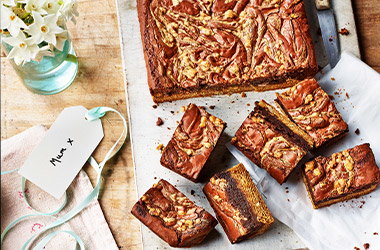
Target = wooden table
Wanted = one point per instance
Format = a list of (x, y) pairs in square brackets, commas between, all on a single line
[(100, 82)]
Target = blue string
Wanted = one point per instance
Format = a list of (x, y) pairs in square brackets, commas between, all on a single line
[(93, 114)]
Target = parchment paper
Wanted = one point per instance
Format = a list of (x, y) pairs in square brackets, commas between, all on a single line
[(342, 225)]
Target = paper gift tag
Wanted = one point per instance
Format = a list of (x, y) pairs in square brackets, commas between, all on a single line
[(64, 150)]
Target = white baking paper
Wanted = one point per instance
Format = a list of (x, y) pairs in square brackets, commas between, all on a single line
[(343, 225)]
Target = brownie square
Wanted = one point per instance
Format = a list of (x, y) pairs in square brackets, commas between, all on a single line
[(271, 141), (238, 204), (172, 216), (341, 176), (309, 106), (202, 48), (192, 143)]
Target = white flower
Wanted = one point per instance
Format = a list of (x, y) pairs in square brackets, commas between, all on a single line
[(43, 51), (61, 38), (24, 49), (52, 6), (44, 28), (8, 2), (69, 9), (11, 22), (36, 6)]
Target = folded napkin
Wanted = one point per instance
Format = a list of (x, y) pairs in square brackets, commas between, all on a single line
[(345, 225), (89, 224)]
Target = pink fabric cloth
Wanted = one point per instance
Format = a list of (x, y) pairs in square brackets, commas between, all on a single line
[(89, 224)]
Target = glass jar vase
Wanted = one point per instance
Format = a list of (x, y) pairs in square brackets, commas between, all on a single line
[(52, 74)]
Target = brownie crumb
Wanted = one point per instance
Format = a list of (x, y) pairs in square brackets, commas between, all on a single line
[(344, 32), (332, 97), (160, 147), (168, 128), (332, 78), (286, 187), (192, 192), (375, 233), (288, 200), (357, 131), (212, 106), (336, 93), (366, 245), (243, 95), (155, 178), (287, 191), (172, 112), (159, 121), (347, 95), (232, 101), (248, 104), (356, 248), (154, 106)]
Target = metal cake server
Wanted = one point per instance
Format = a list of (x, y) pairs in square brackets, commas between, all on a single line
[(329, 31)]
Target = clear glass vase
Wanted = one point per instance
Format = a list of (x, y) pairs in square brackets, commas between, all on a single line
[(51, 75)]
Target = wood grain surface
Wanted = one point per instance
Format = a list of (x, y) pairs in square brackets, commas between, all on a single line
[(100, 82)]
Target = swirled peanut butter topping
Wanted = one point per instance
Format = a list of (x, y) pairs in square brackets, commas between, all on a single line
[(216, 42), (311, 108), (267, 148), (175, 209), (192, 142), (341, 173)]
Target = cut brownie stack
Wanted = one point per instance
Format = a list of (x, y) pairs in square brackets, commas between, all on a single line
[(192, 143), (342, 176), (238, 204), (172, 216), (277, 141), (272, 141)]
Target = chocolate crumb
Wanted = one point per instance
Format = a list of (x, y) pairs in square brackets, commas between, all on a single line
[(168, 128), (332, 97), (357, 131), (192, 192), (286, 187), (172, 112), (212, 107), (336, 93), (248, 104), (332, 78), (155, 178), (366, 245), (243, 95), (287, 191), (356, 248), (347, 95), (154, 106), (375, 233), (344, 32), (159, 121), (232, 101), (288, 200)]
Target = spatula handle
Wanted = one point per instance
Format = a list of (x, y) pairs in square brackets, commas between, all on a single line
[(322, 4)]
